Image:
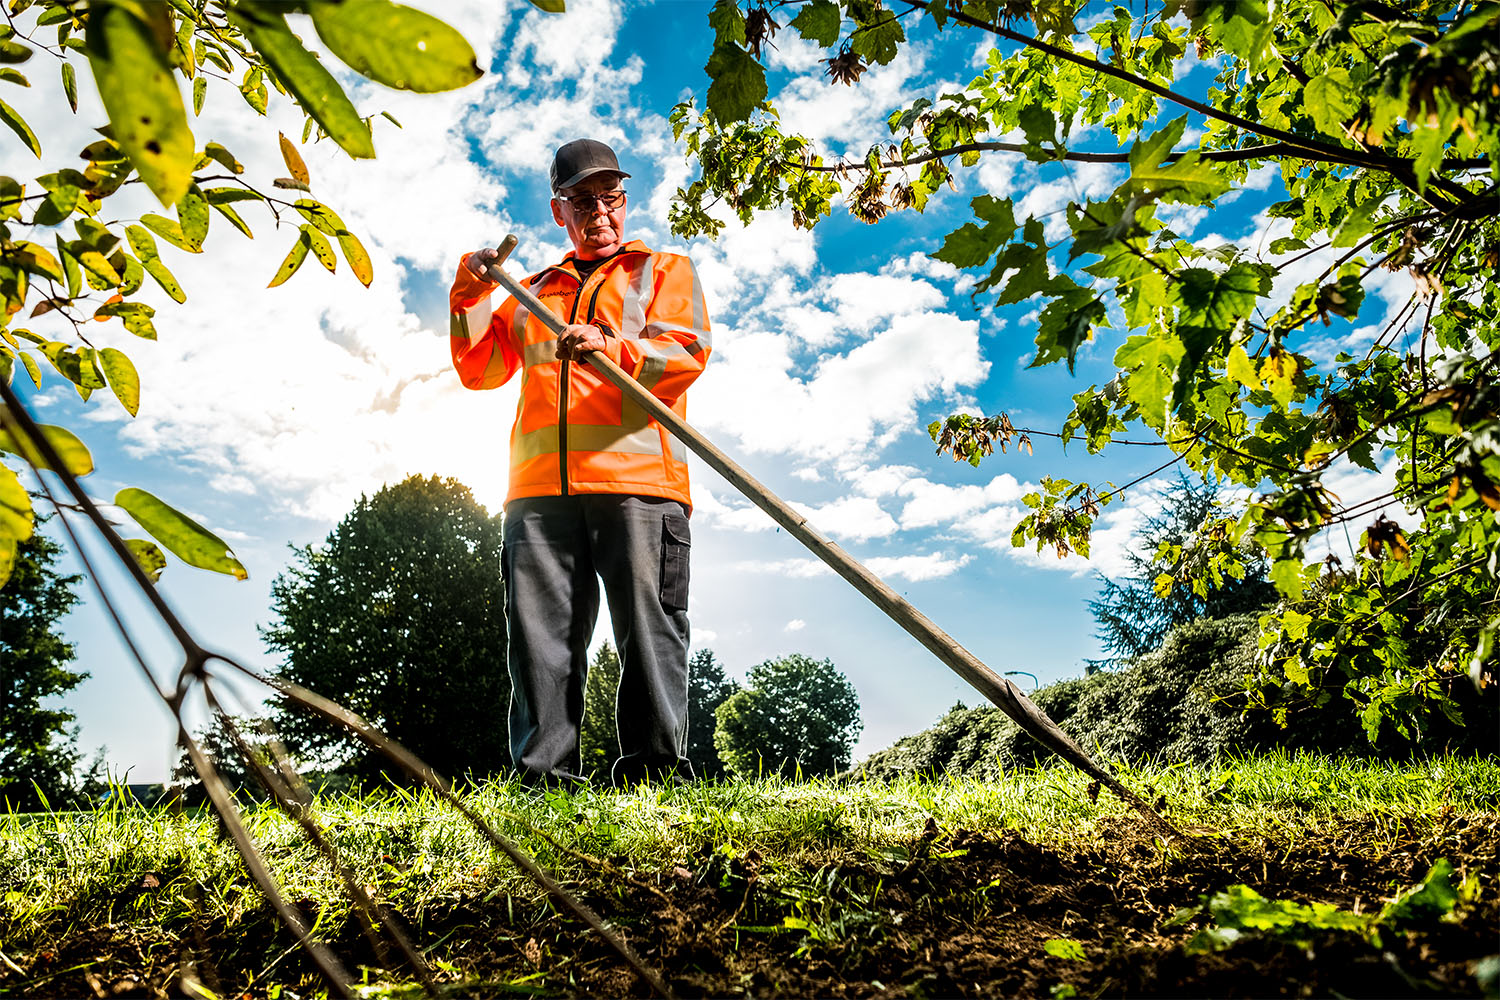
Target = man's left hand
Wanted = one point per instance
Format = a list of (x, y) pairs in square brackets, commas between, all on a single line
[(577, 340)]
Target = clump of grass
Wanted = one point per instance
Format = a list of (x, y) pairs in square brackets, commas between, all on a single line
[(61, 873)]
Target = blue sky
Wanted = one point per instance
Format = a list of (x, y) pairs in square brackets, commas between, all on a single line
[(267, 413)]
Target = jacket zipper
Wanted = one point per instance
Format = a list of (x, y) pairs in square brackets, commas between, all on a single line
[(566, 379)]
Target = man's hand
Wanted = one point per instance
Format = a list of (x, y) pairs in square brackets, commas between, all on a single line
[(480, 260), (578, 339)]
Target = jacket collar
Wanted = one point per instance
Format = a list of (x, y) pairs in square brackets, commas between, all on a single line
[(566, 264)]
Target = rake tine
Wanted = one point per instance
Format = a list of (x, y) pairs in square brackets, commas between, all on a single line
[(285, 795), (218, 793), (400, 755)]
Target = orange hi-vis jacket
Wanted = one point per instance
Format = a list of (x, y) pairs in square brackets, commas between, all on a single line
[(574, 431)]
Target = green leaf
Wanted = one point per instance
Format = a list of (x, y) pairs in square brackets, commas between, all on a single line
[(145, 248), (75, 457), (728, 23), (183, 537), (13, 120), (200, 90), (1065, 948), (294, 258), (70, 85), (123, 380), (146, 554), (16, 518), (1187, 179), (396, 45), (739, 83), (1332, 99), (550, 6), (819, 22), (1221, 299), (234, 219), (310, 84), (969, 245), (225, 195), (1288, 578), (1065, 325), (141, 97), (879, 38), (169, 230), (1150, 362)]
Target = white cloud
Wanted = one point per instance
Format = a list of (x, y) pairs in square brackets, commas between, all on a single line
[(795, 625), (932, 504), (856, 518), (916, 568), (844, 404)]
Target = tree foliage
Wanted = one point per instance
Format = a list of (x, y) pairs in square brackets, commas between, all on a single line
[(796, 715), (69, 256), (599, 736), (1133, 614), (37, 748), (399, 616), (1380, 122), (708, 688)]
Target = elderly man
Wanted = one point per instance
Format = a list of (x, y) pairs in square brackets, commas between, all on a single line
[(598, 490)]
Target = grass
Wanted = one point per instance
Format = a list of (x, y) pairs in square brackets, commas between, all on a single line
[(64, 873)]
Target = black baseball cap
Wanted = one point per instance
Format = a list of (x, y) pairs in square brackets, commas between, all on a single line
[(582, 158)]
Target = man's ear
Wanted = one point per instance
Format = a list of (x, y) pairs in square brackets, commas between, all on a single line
[(557, 213)]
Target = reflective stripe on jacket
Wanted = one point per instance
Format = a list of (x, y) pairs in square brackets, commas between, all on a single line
[(574, 431)]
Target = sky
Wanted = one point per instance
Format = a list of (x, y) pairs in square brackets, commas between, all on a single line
[(266, 413)]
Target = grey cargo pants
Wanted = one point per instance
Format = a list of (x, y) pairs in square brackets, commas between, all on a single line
[(556, 550)]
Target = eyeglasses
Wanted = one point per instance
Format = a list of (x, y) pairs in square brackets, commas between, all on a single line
[(587, 204)]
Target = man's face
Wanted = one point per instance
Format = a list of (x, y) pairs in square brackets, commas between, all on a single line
[(598, 230)]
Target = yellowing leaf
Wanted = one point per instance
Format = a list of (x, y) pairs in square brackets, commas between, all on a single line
[(183, 537), (293, 260), (141, 97), (1278, 371), (395, 45), (146, 554), (123, 380), (74, 455), (293, 159), (1241, 368), (359, 261), (16, 518), (321, 248)]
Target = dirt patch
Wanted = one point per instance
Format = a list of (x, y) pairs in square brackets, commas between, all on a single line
[(960, 915)]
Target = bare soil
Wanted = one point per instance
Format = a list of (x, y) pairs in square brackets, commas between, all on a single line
[(963, 915)]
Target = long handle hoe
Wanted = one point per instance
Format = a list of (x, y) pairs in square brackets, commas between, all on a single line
[(1006, 696)]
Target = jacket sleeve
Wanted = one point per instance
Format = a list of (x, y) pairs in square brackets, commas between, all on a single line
[(674, 346), (483, 353)]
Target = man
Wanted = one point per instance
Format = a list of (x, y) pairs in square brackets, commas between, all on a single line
[(598, 490)]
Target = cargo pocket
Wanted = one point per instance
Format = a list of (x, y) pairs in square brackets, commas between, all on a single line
[(676, 543)]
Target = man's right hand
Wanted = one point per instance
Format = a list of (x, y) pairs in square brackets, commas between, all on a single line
[(480, 260)]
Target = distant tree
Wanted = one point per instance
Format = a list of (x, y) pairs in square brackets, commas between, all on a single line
[(708, 688), (796, 713), (227, 757), (399, 616), (36, 744), (1133, 614), (599, 739)]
